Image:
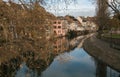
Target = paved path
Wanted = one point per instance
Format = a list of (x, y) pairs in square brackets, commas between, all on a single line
[(102, 51), (105, 46), (83, 39)]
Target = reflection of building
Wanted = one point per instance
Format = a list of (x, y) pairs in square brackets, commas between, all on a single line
[(61, 45), (60, 27)]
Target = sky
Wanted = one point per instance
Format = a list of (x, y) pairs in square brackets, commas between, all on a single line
[(78, 8)]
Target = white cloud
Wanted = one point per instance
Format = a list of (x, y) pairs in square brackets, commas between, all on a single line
[(77, 13), (82, 8)]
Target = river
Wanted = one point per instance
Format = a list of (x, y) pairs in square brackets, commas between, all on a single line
[(65, 60), (78, 63)]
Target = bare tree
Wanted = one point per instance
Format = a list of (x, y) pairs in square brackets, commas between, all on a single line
[(102, 15), (114, 5)]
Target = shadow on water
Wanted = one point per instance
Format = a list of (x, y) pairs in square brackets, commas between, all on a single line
[(56, 58)]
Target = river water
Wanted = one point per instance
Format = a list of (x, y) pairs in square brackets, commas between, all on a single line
[(67, 61), (78, 63)]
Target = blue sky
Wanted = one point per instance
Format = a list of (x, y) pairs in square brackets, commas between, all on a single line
[(79, 8)]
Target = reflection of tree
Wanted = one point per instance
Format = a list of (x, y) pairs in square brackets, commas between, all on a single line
[(101, 69), (7, 69), (36, 55)]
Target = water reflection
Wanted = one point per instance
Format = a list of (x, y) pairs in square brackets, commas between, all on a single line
[(101, 69), (54, 58), (79, 65), (61, 45), (24, 71), (17, 57)]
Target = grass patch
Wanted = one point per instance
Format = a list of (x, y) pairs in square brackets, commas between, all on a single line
[(117, 36)]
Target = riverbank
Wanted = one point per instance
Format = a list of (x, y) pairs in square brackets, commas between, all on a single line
[(102, 51)]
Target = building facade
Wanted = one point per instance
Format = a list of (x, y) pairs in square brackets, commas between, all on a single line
[(60, 27)]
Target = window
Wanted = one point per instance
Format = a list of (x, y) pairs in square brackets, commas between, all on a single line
[(59, 31), (59, 26), (55, 46), (59, 22), (55, 32), (55, 22), (55, 27)]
